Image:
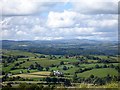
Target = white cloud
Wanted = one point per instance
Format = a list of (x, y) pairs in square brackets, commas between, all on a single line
[(89, 27), (16, 7), (48, 38), (5, 33), (26, 7), (95, 6), (102, 23), (78, 22), (21, 33), (61, 19), (38, 29), (31, 7)]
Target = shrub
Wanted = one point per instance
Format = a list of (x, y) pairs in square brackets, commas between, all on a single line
[(83, 85)]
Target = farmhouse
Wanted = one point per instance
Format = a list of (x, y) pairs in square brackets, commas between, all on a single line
[(57, 73)]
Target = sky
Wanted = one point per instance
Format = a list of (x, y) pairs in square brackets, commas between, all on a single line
[(59, 19)]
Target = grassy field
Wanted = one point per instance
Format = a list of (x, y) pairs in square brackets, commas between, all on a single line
[(17, 52), (34, 75), (42, 73), (17, 71), (28, 76), (43, 62), (71, 69), (55, 64), (69, 60), (99, 72), (93, 65)]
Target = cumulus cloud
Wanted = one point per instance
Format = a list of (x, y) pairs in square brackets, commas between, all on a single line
[(26, 7), (96, 6), (48, 38), (32, 20), (103, 23), (61, 19), (16, 7)]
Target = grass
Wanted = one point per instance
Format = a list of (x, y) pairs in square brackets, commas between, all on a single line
[(71, 69), (43, 62), (28, 76), (101, 56), (69, 60), (44, 73), (113, 85), (7, 69), (34, 75), (93, 65), (17, 52), (99, 72), (90, 65), (0, 67), (17, 71), (91, 61)]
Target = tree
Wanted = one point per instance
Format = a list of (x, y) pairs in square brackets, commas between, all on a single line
[(108, 78), (111, 66), (65, 68), (48, 79), (67, 82), (28, 60), (5, 64), (17, 64), (59, 57), (105, 66), (28, 71), (3, 73), (61, 63), (75, 78), (76, 64), (47, 68), (96, 66), (32, 66), (42, 56), (54, 80), (99, 81), (13, 68), (40, 68), (91, 76)]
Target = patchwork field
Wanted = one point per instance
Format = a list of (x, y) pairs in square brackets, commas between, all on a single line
[(99, 72), (25, 66)]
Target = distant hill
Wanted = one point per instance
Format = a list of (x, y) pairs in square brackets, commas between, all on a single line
[(64, 47)]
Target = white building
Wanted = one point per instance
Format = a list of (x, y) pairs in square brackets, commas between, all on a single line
[(57, 73)]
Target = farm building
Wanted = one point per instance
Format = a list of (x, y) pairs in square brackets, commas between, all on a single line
[(58, 73)]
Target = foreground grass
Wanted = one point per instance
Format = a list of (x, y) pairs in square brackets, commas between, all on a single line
[(109, 85)]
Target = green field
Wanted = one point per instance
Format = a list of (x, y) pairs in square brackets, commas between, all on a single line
[(17, 52), (71, 67), (93, 65), (99, 72), (42, 62)]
